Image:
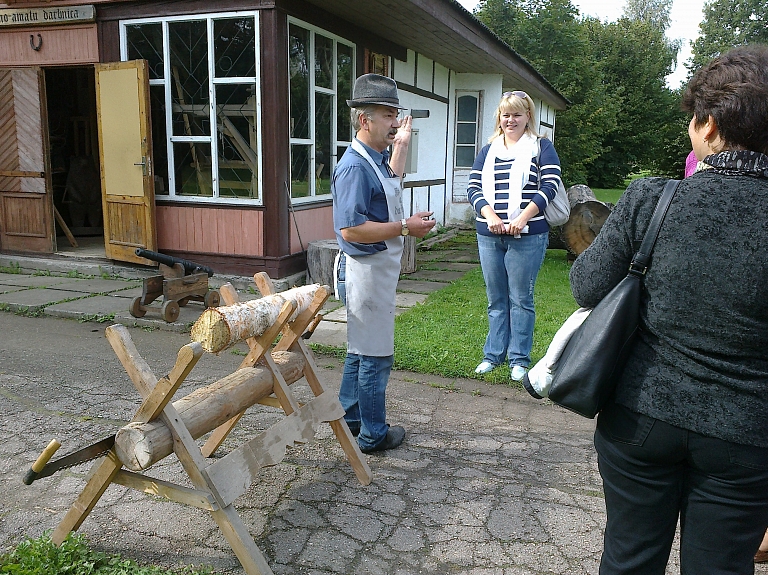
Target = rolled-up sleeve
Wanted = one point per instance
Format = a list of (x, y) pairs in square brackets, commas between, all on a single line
[(352, 197)]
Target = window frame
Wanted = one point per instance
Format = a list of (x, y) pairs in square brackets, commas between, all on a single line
[(310, 141), (478, 94), (213, 83)]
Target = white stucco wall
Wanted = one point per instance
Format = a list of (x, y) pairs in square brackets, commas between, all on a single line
[(489, 86)]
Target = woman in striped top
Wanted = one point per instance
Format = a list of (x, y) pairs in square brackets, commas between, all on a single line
[(510, 186)]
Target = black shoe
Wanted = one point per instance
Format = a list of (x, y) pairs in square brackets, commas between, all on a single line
[(395, 436), (354, 429)]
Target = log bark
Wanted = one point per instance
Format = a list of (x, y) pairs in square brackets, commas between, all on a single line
[(320, 257), (222, 327), (587, 217), (408, 259), (139, 445)]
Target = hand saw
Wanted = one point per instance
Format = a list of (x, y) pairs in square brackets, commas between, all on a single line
[(41, 468)]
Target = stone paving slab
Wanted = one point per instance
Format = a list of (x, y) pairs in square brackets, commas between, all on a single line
[(331, 333), (409, 299), (32, 281), (9, 289), (419, 287), (452, 266), (95, 285), (131, 293), (36, 298), (434, 275), (89, 307)]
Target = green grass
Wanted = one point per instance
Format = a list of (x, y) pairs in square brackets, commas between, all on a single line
[(609, 196), (74, 557), (445, 335)]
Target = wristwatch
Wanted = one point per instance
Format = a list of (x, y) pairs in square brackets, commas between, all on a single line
[(404, 231)]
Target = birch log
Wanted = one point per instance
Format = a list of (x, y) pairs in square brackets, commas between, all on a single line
[(139, 445), (221, 327)]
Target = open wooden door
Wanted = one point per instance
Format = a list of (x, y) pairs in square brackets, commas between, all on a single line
[(125, 150), (26, 201)]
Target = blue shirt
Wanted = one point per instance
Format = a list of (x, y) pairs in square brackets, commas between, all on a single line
[(358, 197)]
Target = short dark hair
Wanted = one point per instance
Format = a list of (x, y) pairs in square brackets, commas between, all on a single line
[(733, 89)]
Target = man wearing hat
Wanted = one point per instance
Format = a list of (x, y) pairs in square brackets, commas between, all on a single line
[(370, 225)]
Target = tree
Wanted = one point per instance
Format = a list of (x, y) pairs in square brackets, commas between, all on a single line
[(728, 23), (654, 12), (635, 59), (548, 35)]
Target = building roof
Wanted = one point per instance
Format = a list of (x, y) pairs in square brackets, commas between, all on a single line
[(444, 31)]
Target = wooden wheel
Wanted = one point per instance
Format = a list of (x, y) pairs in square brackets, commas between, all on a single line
[(212, 299), (170, 311), (136, 309)]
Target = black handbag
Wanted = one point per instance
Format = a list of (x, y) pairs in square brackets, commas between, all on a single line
[(585, 375)]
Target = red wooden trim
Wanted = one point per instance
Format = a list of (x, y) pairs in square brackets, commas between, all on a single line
[(246, 266), (274, 126), (109, 41), (312, 14)]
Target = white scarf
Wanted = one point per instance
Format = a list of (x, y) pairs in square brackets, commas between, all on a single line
[(522, 152)]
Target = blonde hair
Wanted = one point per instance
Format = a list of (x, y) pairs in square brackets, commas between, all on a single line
[(514, 102)]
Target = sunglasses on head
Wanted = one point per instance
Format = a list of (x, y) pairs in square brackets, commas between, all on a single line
[(518, 93)]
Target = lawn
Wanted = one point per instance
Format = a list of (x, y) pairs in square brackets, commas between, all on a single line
[(445, 335)]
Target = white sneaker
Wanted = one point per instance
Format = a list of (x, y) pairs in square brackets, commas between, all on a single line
[(517, 372), (484, 367)]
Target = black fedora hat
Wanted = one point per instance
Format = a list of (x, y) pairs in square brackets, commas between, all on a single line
[(374, 89)]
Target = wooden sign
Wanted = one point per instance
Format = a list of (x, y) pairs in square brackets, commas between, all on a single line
[(42, 16)]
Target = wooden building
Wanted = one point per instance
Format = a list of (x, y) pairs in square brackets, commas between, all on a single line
[(209, 130)]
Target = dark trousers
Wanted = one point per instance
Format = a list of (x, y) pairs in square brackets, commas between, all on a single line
[(654, 473)]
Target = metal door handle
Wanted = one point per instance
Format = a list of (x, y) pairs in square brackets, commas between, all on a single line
[(143, 164)]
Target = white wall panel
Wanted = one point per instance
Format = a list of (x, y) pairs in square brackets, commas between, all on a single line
[(442, 76), (404, 71), (424, 73)]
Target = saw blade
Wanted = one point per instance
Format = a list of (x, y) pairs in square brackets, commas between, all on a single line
[(78, 457)]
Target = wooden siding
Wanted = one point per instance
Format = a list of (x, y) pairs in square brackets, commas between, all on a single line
[(314, 224), (23, 214), (65, 45), (205, 229)]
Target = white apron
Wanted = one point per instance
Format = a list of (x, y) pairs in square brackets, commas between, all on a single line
[(371, 282)]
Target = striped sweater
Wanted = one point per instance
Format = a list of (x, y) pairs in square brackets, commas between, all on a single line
[(550, 178)]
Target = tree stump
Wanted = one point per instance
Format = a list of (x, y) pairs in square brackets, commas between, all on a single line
[(588, 215), (322, 253), (320, 257), (408, 259)]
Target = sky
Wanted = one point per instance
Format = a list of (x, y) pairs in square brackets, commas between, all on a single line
[(685, 17)]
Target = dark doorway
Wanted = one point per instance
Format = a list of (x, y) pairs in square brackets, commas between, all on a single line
[(73, 135)]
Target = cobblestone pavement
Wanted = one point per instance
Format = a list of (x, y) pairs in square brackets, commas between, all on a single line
[(488, 481)]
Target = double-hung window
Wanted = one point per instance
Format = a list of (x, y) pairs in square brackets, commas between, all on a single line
[(205, 102), (321, 75), (467, 128)]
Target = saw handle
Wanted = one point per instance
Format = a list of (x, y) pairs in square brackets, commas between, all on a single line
[(44, 458)]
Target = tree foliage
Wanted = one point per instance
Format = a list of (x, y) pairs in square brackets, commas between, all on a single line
[(613, 73), (728, 23), (653, 12)]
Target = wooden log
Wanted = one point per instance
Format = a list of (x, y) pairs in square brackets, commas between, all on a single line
[(139, 445), (320, 257), (408, 259), (587, 217), (222, 327)]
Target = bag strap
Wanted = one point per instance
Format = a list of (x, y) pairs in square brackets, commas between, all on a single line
[(642, 259)]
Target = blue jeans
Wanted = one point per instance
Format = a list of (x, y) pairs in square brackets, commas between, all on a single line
[(363, 386), (362, 395), (510, 266), (654, 473)]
